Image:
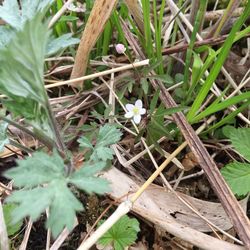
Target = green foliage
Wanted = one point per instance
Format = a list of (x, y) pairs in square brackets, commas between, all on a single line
[(11, 14), (218, 64), (24, 87), (237, 174), (45, 185), (107, 136), (240, 139), (3, 135), (122, 234), (57, 44), (11, 228), (17, 19)]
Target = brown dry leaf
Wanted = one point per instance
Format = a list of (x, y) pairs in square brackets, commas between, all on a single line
[(189, 161), (165, 210)]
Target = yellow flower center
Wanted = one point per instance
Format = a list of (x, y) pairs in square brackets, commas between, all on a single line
[(136, 111)]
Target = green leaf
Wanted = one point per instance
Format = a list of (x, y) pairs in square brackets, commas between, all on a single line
[(6, 34), (144, 85), (11, 228), (227, 130), (84, 142), (122, 234), (85, 179), (38, 169), (30, 202), (3, 135), (68, 19), (153, 103), (241, 141), (11, 13), (49, 171), (57, 44), (103, 153), (197, 65), (108, 135), (63, 208), (26, 56), (24, 85), (237, 176)]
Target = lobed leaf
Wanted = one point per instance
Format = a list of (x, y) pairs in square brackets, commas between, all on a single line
[(85, 180), (48, 171), (241, 141), (108, 135), (122, 234), (237, 176), (63, 208), (36, 170)]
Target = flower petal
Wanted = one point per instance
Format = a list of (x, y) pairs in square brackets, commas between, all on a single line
[(138, 103), (120, 48), (142, 111), (130, 107), (137, 119), (129, 114)]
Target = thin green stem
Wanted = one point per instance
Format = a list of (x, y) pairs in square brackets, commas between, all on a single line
[(54, 126)]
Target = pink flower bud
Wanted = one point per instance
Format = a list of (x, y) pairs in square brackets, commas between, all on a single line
[(120, 48)]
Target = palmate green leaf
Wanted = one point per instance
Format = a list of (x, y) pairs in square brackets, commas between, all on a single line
[(122, 234), (237, 176), (85, 142), (45, 185), (240, 139), (102, 153), (108, 135), (85, 180), (31, 202), (63, 207), (36, 170)]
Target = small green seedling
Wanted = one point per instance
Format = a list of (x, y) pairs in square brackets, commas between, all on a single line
[(122, 234)]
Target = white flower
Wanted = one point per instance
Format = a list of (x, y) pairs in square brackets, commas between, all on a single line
[(135, 111), (120, 48)]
